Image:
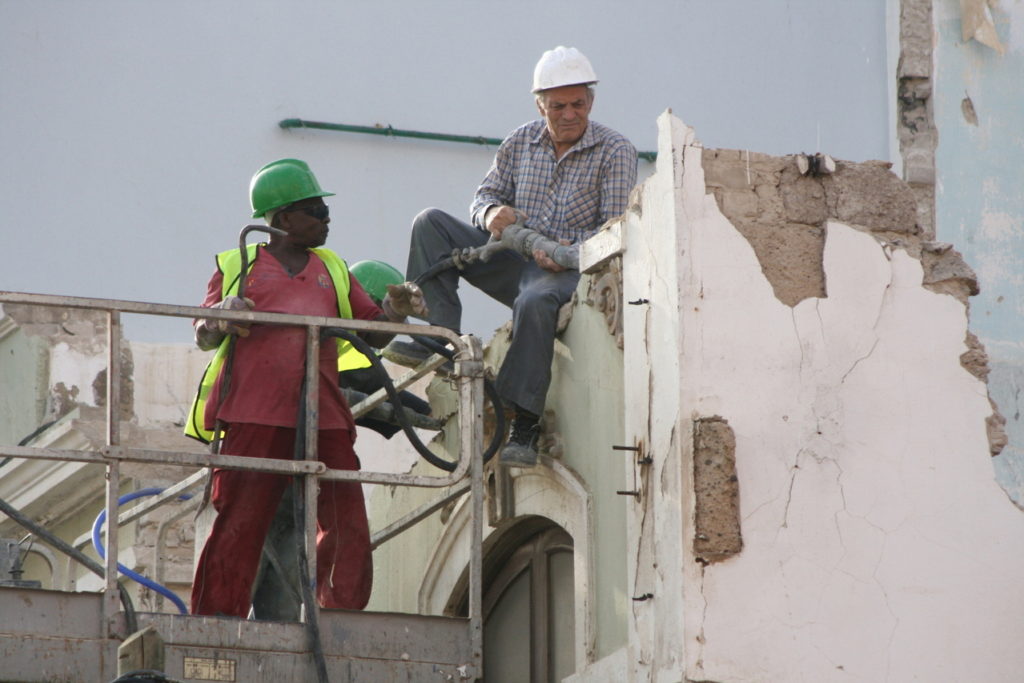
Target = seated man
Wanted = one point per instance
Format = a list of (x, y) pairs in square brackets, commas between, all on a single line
[(563, 176)]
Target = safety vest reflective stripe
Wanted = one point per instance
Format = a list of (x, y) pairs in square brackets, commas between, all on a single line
[(230, 265)]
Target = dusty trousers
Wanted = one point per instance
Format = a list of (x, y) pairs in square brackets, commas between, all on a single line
[(246, 503), (533, 294)]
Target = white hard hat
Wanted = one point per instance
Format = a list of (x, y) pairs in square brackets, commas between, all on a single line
[(562, 66)]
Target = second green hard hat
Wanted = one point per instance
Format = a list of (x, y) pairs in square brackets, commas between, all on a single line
[(375, 276)]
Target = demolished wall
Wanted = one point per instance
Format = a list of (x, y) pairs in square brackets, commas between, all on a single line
[(876, 543), (54, 396)]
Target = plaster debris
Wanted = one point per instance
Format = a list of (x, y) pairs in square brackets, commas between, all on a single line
[(975, 361), (967, 108), (976, 24), (946, 272)]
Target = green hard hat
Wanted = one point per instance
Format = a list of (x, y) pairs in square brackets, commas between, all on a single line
[(281, 183), (375, 276)]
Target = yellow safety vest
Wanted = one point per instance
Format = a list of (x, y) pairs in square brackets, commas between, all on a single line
[(229, 263)]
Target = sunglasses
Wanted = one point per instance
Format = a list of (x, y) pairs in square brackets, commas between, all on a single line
[(321, 213)]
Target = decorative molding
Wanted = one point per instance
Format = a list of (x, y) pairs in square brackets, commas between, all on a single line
[(605, 294)]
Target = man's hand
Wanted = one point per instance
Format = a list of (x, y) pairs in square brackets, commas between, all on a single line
[(404, 300), (545, 262), (210, 332), (498, 218)]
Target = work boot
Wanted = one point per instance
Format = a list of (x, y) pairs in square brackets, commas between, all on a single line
[(411, 354), (521, 449)]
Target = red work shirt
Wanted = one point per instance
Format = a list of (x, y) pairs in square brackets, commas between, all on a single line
[(267, 371)]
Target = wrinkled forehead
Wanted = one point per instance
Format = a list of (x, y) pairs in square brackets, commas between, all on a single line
[(565, 95)]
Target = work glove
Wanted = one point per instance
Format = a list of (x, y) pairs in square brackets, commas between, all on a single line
[(211, 331), (498, 217), (404, 300)]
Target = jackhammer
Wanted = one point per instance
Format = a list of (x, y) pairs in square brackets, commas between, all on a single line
[(516, 238)]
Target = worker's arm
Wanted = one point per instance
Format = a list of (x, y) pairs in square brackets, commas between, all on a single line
[(401, 301), (497, 218), (497, 189), (209, 332)]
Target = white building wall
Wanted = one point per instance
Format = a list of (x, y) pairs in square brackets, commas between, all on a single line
[(877, 545)]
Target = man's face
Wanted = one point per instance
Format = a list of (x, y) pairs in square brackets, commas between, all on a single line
[(566, 110), (306, 222)]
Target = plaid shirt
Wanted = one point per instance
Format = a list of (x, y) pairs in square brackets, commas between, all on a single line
[(569, 198)]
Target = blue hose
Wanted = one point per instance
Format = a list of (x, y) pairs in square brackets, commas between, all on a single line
[(149, 583)]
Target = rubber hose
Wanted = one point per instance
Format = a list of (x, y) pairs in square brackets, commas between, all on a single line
[(403, 420), (138, 578), (440, 266)]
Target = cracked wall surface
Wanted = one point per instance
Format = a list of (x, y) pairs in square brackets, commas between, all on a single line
[(877, 544), (783, 214)]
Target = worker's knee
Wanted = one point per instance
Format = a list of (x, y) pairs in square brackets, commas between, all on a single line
[(427, 220), (536, 306)]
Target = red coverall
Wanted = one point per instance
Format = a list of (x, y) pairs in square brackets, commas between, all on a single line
[(260, 411)]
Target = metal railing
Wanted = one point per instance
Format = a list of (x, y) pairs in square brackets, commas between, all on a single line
[(466, 477)]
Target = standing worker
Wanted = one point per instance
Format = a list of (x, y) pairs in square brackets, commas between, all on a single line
[(562, 176), (258, 411), (276, 592)]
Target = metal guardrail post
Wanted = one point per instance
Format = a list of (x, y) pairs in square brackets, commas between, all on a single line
[(111, 596), (470, 372), (312, 433)]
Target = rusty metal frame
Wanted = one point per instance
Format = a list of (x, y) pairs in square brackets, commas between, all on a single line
[(469, 374)]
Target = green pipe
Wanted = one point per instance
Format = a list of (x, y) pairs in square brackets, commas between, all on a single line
[(399, 133)]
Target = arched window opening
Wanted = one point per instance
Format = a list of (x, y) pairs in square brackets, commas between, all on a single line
[(528, 604)]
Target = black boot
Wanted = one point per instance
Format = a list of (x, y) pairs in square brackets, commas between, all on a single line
[(521, 449), (411, 353)]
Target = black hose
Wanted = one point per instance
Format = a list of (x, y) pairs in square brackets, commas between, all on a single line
[(131, 623), (489, 390), (441, 266), (229, 354)]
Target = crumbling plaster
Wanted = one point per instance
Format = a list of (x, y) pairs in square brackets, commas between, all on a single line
[(876, 542)]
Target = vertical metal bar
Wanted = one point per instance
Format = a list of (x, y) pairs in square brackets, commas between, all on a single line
[(111, 598), (312, 425), (471, 426)]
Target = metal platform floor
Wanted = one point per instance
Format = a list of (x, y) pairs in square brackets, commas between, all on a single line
[(60, 637)]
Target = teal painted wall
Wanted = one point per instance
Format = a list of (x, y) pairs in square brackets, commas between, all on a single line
[(980, 198)]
